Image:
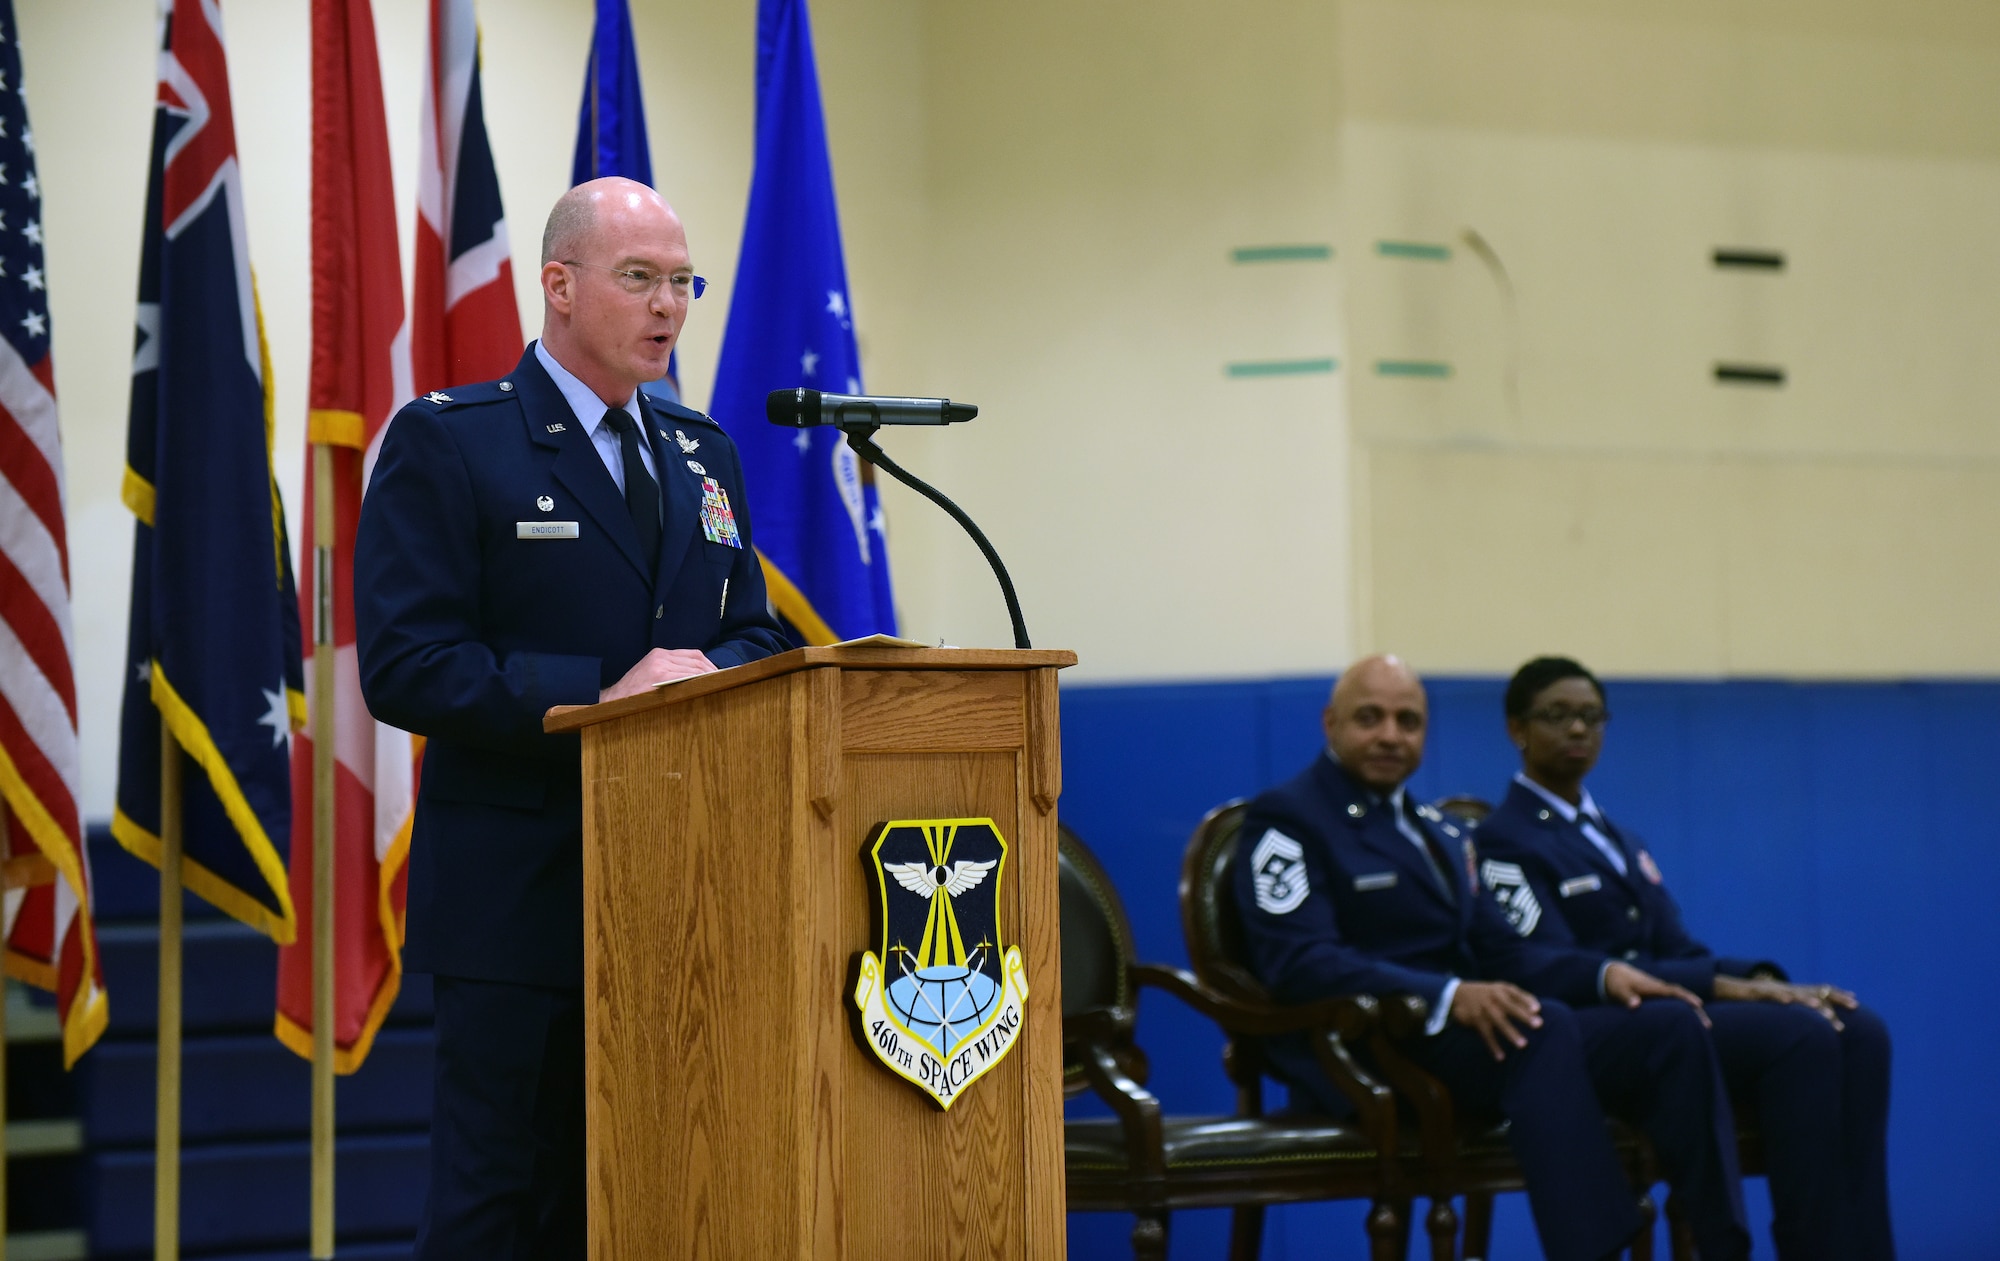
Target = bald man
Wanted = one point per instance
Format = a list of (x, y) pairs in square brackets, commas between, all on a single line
[(1346, 886), (551, 538)]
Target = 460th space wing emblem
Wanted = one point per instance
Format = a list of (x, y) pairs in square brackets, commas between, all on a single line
[(941, 998)]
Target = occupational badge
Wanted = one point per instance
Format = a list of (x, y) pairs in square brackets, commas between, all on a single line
[(941, 998), (688, 445)]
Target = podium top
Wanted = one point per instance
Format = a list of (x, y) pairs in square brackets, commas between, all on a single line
[(845, 656)]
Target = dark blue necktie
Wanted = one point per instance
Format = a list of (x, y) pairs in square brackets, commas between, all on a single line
[(642, 493)]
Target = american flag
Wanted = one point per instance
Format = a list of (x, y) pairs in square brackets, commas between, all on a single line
[(47, 929)]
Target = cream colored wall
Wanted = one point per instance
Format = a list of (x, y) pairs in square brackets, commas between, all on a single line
[(1040, 204), (1629, 509), (1089, 168)]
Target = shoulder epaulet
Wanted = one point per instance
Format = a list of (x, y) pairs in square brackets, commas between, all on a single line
[(466, 395), (697, 418)]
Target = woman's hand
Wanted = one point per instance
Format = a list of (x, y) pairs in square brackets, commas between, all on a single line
[(1827, 1000)]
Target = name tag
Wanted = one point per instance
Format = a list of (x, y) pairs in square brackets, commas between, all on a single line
[(1379, 880), (546, 530), (1582, 884)]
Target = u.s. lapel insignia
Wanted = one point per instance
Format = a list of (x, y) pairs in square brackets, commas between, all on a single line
[(688, 444), (941, 998), (558, 427), (437, 396)]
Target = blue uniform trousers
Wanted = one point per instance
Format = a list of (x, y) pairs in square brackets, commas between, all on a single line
[(507, 1136), (1655, 1068), (1821, 1099)]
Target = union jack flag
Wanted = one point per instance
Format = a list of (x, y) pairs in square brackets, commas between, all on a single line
[(468, 327), (46, 929)]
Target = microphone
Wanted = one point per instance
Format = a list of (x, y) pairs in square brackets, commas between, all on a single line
[(858, 416), (803, 409)]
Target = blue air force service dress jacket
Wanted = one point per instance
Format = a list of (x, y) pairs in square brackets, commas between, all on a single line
[(1336, 899), (497, 573), (1559, 889)]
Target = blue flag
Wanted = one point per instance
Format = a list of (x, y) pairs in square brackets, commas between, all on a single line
[(611, 125), (611, 128), (819, 522), (214, 637)]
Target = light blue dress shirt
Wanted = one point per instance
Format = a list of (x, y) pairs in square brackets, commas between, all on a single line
[(590, 411)]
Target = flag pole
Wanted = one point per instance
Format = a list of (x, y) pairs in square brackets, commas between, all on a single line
[(5, 852), (167, 1120), (322, 711)]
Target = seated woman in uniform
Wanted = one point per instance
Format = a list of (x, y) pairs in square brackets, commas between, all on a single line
[(1806, 1061)]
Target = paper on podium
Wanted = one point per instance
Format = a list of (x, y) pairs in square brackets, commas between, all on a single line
[(883, 641), (866, 641)]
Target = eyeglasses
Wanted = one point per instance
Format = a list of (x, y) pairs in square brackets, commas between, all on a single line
[(1562, 717), (639, 281)]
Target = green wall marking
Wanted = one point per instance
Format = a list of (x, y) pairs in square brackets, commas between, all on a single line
[(1281, 254), (1412, 368), (1414, 249), (1280, 367)]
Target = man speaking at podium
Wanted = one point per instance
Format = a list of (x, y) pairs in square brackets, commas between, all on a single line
[(552, 538)]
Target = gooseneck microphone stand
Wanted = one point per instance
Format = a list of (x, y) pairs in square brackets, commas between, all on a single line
[(861, 438)]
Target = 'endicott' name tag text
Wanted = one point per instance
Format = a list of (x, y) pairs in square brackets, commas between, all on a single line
[(545, 530)]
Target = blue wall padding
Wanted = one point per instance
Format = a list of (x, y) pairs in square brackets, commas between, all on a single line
[(245, 1108), (1844, 829)]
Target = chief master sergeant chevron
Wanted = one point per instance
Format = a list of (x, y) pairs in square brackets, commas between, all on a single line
[(552, 538)]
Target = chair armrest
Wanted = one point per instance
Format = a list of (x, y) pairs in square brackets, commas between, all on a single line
[(1403, 1015), (1403, 1019), (1350, 1017), (1137, 1109)]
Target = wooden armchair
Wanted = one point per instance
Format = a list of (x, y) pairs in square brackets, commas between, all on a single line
[(1459, 1156), (1149, 1164)]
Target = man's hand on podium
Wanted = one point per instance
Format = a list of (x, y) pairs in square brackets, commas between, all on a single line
[(662, 665)]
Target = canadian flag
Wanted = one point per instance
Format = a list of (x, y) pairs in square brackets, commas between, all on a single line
[(360, 377)]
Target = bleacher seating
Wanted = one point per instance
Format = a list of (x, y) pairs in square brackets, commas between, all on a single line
[(245, 1129)]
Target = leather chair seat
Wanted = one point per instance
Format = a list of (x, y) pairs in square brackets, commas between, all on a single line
[(1208, 1143)]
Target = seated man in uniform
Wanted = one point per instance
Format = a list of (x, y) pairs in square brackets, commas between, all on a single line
[(1348, 887), (1806, 1060)]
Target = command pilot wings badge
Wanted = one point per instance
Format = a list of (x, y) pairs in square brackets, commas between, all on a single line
[(941, 997)]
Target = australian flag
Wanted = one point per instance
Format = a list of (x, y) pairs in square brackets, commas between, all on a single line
[(820, 531), (214, 639), (611, 129)]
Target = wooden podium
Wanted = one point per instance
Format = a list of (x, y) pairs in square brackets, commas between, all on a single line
[(731, 1111)]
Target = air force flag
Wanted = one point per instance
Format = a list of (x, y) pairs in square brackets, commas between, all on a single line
[(820, 531)]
